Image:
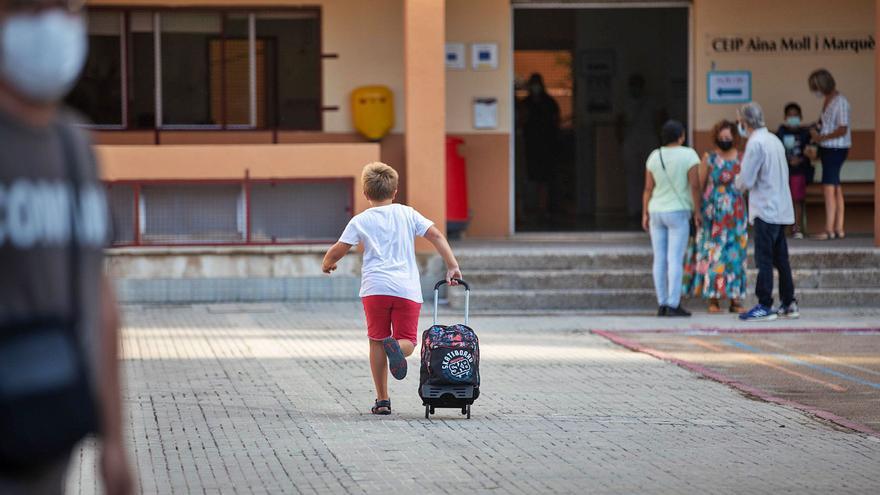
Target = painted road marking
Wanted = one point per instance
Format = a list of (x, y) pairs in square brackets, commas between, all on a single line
[(832, 386), (825, 358), (786, 357)]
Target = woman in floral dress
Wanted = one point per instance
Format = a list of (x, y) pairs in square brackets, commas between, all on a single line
[(718, 270)]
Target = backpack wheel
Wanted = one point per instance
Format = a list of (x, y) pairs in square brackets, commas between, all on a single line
[(464, 410), (432, 409)]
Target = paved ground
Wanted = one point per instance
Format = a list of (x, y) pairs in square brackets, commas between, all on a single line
[(837, 372), (275, 399)]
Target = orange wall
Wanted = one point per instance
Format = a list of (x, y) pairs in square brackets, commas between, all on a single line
[(232, 162), (488, 175), (425, 108), (483, 21), (487, 152)]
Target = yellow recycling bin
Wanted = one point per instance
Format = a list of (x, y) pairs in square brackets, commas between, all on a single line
[(372, 111)]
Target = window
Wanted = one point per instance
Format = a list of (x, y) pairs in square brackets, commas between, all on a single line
[(293, 43), (186, 66), (99, 92), (201, 69), (141, 71)]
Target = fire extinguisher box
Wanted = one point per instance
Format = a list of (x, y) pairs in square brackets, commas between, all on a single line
[(457, 216)]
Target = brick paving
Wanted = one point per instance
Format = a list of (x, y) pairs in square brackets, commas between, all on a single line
[(276, 398)]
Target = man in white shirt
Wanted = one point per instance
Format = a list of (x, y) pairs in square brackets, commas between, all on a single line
[(764, 173)]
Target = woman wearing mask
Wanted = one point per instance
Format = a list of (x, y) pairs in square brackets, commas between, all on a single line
[(671, 190), (832, 135), (719, 268)]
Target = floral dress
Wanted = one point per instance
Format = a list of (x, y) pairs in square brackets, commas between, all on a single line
[(716, 263)]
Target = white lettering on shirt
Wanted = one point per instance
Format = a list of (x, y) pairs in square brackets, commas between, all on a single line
[(40, 213)]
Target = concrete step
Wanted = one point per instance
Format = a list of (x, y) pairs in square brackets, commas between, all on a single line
[(609, 299), (625, 258), (642, 278)]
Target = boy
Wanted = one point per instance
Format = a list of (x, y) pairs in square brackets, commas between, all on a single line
[(800, 170), (390, 288)]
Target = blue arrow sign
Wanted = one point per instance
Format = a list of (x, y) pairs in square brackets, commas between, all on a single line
[(725, 87)]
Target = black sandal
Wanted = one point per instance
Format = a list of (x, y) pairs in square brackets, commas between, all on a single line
[(382, 407)]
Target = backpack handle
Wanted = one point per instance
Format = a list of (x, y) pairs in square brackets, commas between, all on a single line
[(467, 297)]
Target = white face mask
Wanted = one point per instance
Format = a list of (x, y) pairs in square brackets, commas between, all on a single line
[(819, 94), (742, 130), (42, 54)]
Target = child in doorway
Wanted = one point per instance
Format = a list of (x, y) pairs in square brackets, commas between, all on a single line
[(795, 138), (390, 288)]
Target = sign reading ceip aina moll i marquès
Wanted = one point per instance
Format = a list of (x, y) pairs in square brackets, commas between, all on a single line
[(787, 44)]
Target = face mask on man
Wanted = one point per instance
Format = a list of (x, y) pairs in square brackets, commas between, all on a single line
[(742, 130), (818, 94), (42, 54), (793, 121)]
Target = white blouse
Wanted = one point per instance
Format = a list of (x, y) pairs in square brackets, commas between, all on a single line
[(836, 114)]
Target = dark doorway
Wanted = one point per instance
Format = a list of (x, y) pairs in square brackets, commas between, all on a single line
[(593, 87)]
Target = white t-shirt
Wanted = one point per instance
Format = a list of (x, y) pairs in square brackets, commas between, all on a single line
[(388, 233)]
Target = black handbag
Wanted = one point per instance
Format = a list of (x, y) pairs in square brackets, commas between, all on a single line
[(47, 404)]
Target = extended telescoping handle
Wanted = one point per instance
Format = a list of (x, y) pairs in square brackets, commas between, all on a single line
[(467, 297)]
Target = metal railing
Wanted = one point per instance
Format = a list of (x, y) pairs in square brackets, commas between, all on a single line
[(229, 211)]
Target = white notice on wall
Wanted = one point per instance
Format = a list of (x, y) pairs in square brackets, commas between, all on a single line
[(455, 56), (485, 113), (484, 56)]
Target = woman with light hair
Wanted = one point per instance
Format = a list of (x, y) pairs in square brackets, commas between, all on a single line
[(832, 133)]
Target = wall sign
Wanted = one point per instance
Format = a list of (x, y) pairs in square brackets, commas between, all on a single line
[(485, 113), (455, 56), (729, 86), (484, 56), (787, 44)]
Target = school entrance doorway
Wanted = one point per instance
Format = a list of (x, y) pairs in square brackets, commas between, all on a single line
[(593, 86)]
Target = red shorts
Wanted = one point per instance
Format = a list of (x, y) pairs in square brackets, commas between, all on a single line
[(392, 316)]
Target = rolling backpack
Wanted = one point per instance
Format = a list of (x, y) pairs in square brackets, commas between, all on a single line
[(450, 362)]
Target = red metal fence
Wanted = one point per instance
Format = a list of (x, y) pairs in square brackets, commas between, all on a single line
[(229, 212)]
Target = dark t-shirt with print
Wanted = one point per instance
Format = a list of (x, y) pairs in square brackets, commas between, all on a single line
[(36, 205)]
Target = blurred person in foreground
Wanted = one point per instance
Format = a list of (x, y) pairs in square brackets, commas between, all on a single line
[(764, 174), (59, 377)]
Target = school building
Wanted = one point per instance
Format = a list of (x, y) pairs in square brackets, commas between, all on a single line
[(230, 123)]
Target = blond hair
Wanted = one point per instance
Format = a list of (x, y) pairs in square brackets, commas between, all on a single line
[(379, 181), (822, 80)]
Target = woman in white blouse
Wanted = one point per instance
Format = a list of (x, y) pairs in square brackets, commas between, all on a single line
[(833, 136)]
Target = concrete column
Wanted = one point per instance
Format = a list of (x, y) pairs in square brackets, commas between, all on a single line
[(877, 128), (425, 108)]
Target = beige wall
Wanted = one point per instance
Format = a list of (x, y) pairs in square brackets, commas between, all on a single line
[(262, 161), (780, 78), (470, 21), (366, 35), (487, 152)]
